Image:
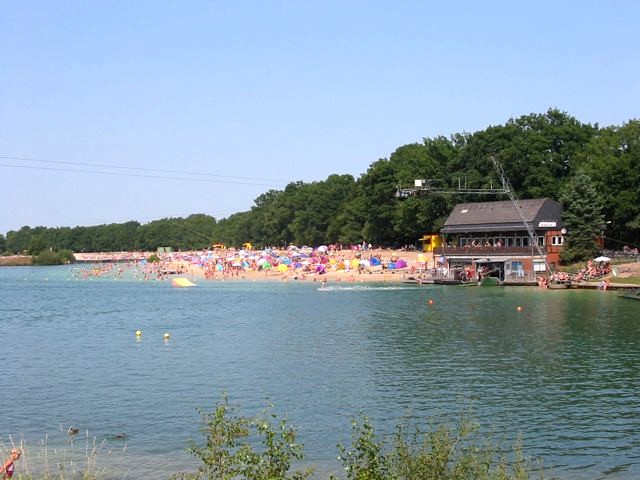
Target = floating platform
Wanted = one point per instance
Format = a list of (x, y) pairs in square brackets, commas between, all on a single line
[(632, 295), (451, 281), (182, 282), (418, 281)]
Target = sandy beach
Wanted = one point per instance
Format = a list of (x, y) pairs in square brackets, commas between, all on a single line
[(334, 273), (329, 266)]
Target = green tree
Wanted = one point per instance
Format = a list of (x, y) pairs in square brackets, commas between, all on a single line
[(347, 226), (583, 218), (18, 241), (612, 160), (3, 244), (378, 187), (537, 151), (270, 218), (37, 244), (416, 216), (316, 205)]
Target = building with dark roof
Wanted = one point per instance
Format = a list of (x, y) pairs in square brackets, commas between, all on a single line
[(493, 234)]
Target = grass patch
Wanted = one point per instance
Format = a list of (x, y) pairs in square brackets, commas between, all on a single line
[(631, 280), (81, 457)]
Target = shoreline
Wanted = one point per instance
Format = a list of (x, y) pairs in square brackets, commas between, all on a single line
[(342, 267)]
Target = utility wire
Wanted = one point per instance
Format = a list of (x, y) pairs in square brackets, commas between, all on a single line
[(139, 175), (631, 244), (140, 169)]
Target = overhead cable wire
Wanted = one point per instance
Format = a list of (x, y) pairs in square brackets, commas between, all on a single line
[(140, 169), (139, 175)]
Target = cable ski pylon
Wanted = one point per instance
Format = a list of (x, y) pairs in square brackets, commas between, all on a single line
[(514, 199), (432, 186)]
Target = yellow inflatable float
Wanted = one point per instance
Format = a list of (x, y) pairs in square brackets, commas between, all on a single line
[(182, 282)]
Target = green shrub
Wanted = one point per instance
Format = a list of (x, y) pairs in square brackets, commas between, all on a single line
[(440, 453), (264, 448), (67, 256), (231, 452), (48, 257), (153, 258)]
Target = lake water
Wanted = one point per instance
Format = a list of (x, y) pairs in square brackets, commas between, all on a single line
[(564, 371)]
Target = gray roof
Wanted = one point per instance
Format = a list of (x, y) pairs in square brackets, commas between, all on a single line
[(541, 213)]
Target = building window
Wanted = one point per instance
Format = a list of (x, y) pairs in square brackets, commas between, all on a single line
[(516, 268), (557, 240), (539, 266)]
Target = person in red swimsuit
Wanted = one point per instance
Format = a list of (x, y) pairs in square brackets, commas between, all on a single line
[(7, 469)]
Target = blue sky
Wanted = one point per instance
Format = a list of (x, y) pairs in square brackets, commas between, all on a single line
[(253, 95)]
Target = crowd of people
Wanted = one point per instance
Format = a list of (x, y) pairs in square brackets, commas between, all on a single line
[(226, 263), (591, 271)]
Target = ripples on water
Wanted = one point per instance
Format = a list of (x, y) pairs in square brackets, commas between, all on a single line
[(564, 372)]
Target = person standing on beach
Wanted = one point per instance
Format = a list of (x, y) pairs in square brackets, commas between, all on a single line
[(7, 469)]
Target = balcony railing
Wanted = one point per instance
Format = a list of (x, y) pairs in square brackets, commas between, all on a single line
[(486, 251), (512, 277)]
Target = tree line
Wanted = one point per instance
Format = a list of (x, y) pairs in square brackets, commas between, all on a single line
[(544, 155)]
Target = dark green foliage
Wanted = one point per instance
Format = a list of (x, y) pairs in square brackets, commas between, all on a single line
[(583, 218), (193, 232), (612, 160), (18, 242), (540, 153), (153, 258), (50, 257)]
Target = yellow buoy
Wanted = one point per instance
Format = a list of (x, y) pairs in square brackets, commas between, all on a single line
[(138, 333), (166, 336)]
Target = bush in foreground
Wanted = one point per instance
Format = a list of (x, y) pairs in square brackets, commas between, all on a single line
[(458, 452), (229, 451), (265, 448)]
